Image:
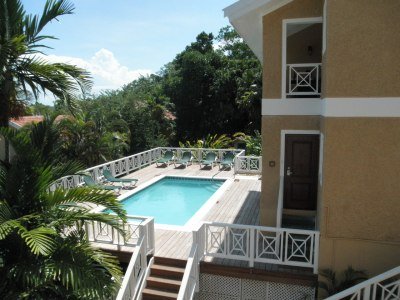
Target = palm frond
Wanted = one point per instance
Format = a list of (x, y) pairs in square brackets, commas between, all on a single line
[(84, 195), (39, 240), (52, 10)]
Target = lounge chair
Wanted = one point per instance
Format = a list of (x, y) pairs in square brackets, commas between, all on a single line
[(210, 160), (166, 159), (227, 161), (185, 160), (91, 183), (108, 176)]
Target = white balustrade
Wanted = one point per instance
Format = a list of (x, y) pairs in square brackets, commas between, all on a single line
[(303, 79), (200, 153), (98, 232), (248, 164), (129, 164), (384, 286), (284, 246), (119, 167), (135, 273)]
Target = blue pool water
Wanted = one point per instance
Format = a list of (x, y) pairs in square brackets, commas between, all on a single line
[(172, 200)]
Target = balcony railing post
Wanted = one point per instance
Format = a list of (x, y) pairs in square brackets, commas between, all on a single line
[(316, 252), (252, 247), (367, 292)]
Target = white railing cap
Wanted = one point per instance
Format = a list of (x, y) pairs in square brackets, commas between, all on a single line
[(391, 273), (304, 65), (264, 228)]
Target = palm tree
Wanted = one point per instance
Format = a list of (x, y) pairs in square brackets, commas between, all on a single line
[(39, 259), (23, 70)]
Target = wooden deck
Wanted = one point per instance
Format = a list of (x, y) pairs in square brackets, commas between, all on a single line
[(239, 204)]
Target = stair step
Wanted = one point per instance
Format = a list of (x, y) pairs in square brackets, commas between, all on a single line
[(170, 261), (153, 294), (163, 283), (167, 271)]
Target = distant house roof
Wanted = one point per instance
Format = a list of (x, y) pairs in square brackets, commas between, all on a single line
[(246, 17), (22, 121)]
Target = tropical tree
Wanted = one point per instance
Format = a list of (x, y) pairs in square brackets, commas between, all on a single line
[(23, 68), (44, 253)]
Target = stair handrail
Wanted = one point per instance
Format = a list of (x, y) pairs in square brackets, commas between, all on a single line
[(190, 280), (191, 276), (136, 270), (367, 289)]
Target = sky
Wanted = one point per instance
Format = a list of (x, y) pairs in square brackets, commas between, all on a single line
[(120, 40)]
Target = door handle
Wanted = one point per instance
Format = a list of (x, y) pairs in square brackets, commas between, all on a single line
[(288, 171)]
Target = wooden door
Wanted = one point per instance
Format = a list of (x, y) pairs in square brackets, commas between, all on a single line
[(301, 171)]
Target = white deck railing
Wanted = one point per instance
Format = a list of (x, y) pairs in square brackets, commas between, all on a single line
[(118, 167), (283, 246), (384, 286), (303, 79), (248, 165), (200, 153), (129, 164), (135, 273), (98, 232)]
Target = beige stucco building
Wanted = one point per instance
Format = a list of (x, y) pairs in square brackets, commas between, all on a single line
[(330, 122)]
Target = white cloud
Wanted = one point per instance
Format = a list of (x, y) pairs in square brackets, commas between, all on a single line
[(105, 69)]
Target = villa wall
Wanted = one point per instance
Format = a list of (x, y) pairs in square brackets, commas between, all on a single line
[(360, 195), (362, 54), (272, 41), (271, 144)]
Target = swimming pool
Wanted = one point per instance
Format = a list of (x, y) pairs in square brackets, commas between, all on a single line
[(172, 200)]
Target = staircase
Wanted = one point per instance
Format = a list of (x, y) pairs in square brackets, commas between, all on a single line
[(165, 279)]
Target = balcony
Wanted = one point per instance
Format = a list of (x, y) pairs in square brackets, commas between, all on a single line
[(303, 80)]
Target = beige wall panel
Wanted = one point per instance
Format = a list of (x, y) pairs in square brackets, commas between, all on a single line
[(374, 258), (363, 44), (361, 178), (272, 47), (271, 143)]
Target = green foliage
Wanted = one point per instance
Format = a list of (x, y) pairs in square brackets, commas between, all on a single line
[(253, 143), (332, 284), (22, 70), (40, 260), (87, 141), (214, 90), (224, 141), (211, 141)]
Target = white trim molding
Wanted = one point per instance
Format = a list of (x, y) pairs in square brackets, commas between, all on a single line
[(285, 23), (291, 107), (246, 17), (332, 107)]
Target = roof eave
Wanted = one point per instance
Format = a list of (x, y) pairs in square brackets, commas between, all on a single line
[(246, 17)]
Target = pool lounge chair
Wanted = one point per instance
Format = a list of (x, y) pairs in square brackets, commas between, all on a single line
[(185, 160), (166, 159), (210, 160), (227, 161), (91, 183), (108, 176)]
